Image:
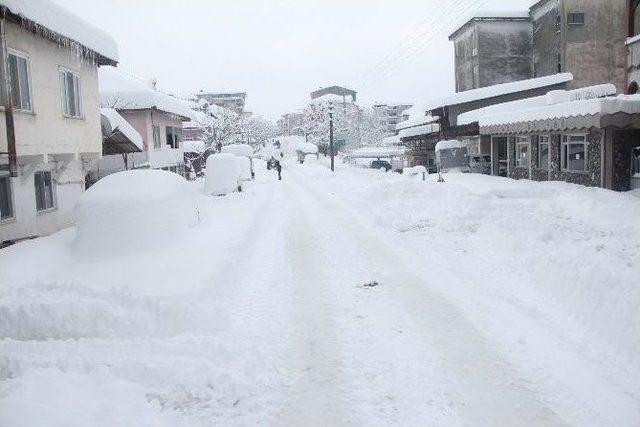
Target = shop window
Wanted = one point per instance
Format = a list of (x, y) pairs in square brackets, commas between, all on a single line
[(45, 195), (574, 153), (543, 152), (6, 200), (522, 151)]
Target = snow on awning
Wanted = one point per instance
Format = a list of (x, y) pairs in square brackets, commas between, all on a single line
[(58, 24), (593, 109), (448, 145), (123, 92), (419, 130), (307, 148), (590, 92), (194, 146), (128, 140), (377, 152), (499, 90)]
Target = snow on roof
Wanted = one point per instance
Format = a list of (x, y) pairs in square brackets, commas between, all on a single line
[(120, 123), (194, 146), (242, 150), (590, 92), (629, 104), (330, 97), (499, 90), (391, 140), (307, 148), (123, 92), (490, 15), (448, 145), (417, 117), (419, 130), (377, 152), (60, 21)]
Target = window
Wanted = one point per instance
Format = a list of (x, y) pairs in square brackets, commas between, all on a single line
[(634, 27), (156, 137), (70, 91), (174, 136), (575, 18), (6, 202), (574, 153), (19, 78), (45, 199), (543, 152), (522, 151), (635, 162)]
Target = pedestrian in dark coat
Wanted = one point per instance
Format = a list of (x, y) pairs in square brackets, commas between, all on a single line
[(279, 169)]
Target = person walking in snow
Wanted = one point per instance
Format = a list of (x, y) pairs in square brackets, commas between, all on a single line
[(279, 169)]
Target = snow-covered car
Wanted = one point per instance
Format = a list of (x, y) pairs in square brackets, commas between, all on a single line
[(243, 151), (381, 164), (223, 174)]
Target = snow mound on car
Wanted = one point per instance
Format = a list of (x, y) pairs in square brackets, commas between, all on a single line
[(132, 211), (223, 173)]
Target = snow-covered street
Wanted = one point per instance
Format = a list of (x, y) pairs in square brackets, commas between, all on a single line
[(360, 298)]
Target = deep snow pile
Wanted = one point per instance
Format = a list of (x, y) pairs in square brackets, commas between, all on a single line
[(132, 211)]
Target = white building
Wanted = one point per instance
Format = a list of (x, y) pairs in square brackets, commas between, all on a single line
[(389, 115), (156, 116), (53, 57)]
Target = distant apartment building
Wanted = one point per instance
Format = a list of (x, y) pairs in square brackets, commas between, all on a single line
[(53, 94), (492, 48), (234, 101), (291, 124), (389, 115), (336, 93), (583, 37)]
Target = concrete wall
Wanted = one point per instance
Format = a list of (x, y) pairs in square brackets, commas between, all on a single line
[(46, 139), (504, 52), (594, 53), (465, 60)]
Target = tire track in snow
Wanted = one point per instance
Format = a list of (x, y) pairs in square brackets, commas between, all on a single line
[(483, 388)]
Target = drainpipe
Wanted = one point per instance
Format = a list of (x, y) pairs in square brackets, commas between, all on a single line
[(5, 91)]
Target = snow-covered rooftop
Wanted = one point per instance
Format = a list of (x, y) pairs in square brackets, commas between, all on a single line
[(58, 24), (391, 140), (629, 104), (118, 122), (590, 92), (499, 90), (448, 145), (123, 92), (419, 130)]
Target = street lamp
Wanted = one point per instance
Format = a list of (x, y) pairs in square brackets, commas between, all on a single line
[(331, 150)]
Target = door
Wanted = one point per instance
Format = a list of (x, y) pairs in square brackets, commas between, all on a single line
[(635, 168)]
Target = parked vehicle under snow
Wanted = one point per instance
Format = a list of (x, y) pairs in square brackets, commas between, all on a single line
[(223, 175)]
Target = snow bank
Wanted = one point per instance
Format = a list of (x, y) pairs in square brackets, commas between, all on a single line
[(132, 211), (244, 165), (307, 148), (59, 20), (415, 170), (223, 174)]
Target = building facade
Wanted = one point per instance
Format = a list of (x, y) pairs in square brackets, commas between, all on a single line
[(234, 101), (389, 115), (56, 114), (491, 49), (291, 124)]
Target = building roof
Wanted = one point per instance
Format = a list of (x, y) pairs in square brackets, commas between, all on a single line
[(590, 92), (569, 114), (499, 90), (54, 22), (124, 92), (419, 130), (119, 135), (518, 15), (334, 90)]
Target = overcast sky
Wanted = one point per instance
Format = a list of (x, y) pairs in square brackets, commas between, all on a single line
[(280, 50)]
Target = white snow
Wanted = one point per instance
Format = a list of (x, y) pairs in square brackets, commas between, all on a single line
[(307, 148), (347, 298), (242, 150), (419, 130), (590, 92), (59, 20), (499, 90), (223, 174), (133, 211), (391, 140), (118, 122), (377, 152), (415, 170), (449, 145), (123, 92), (194, 146)]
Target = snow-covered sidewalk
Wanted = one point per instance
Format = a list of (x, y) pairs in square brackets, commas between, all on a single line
[(359, 298)]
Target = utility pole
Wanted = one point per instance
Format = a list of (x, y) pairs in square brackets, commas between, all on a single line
[(5, 91), (331, 149)]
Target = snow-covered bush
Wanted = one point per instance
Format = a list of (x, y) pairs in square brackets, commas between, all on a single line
[(132, 211), (223, 174)]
